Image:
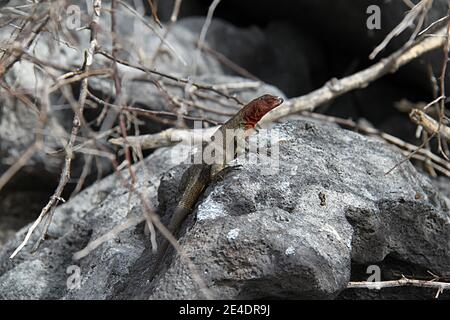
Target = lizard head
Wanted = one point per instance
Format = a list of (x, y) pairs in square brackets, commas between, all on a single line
[(257, 108)]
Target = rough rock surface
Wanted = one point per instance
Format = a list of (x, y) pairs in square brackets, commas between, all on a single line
[(89, 215), (330, 201), (18, 124), (294, 234)]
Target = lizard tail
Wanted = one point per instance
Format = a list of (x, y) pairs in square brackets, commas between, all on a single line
[(173, 227), (177, 218)]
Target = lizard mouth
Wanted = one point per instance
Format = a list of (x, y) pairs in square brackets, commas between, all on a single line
[(272, 102), (276, 101), (279, 101)]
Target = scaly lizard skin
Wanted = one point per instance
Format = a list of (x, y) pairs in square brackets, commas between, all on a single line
[(197, 177)]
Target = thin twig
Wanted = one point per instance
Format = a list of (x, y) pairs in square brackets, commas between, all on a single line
[(91, 246), (378, 285), (432, 126), (173, 20), (213, 88), (442, 88), (165, 138), (19, 163), (65, 174), (145, 22), (419, 9), (202, 36), (335, 88), (146, 112), (228, 63), (16, 53)]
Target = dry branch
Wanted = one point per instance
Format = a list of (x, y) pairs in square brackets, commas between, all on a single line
[(214, 88), (419, 10), (202, 36), (162, 38), (428, 123), (65, 174), (173, 20), (15, 53), (337, 87), (378, 285), (165, 138), (442, 145), (19, 163), (399, 283)]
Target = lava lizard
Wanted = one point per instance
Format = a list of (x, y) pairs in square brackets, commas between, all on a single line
[(198, 176)]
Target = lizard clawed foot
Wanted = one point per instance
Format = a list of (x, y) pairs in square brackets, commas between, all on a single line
[(257, 128)]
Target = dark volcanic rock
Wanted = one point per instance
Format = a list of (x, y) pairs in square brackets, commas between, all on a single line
[(331, 191), (292, 234)]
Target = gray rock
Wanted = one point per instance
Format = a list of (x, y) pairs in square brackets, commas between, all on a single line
[(89, 215), (399, 214), (441, 183), (297, 234), (288, 235), (18, 124)]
